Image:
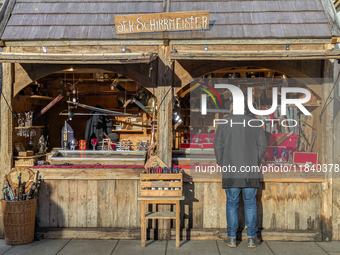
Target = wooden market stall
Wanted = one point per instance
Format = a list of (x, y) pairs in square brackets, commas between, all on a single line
[(49, 45)]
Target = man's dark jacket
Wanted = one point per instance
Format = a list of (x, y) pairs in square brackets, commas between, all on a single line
[(240, 146)]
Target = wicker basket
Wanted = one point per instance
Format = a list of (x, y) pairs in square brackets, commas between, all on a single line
[(19, 221)]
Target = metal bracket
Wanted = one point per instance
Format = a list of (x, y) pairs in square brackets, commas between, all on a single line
[(287, 46)]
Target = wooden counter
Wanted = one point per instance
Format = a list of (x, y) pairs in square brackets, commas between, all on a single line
[(102, 203)]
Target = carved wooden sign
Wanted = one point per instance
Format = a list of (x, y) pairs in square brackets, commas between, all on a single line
[(159, 22)]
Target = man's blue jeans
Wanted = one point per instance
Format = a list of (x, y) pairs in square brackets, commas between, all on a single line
[(249, 198)]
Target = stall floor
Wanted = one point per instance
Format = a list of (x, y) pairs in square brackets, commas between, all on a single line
[(127, 247)]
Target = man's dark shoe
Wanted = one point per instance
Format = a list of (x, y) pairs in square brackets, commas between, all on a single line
[(231, 242), (251, 243)]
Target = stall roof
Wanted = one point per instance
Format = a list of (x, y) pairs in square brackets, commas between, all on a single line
[(243, 19)]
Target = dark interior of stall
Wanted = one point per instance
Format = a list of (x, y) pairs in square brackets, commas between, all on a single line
[(293, 133), (85, 100), (71, 99)]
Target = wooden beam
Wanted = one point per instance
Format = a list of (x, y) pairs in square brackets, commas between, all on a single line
[(22, 79), (113, 58), (336, 180), (253, 55), (82, 43), (251, 41), (164, 105), (134, 174), (265, 179), (336, 175), (164, 117), (186, 234), (327, 153), (253, 47), (184, 78), (335, 40), (90, 233), (317, 88), (236, 70), (85, 49), (6, 148), (265, 235), (89, 173), (160, 42), (26, 73)]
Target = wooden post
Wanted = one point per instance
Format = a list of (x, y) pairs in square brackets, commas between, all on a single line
[(336, 175), (327, 152), (164, 106), (6, 151), (178, 224), (143, 223), (164, 123)]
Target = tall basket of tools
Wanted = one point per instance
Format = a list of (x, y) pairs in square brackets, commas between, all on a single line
[(19, 206), (19, 221)]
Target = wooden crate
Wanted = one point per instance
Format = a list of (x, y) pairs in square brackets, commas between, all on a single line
[(167, 185)]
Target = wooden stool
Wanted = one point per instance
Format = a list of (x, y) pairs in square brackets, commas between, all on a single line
[(145, 216)]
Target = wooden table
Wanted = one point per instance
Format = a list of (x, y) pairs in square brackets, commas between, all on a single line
[(160, 215)]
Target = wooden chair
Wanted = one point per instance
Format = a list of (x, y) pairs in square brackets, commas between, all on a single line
[(160, 189), (145, 216)]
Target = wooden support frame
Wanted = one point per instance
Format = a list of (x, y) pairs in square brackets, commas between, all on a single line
[(336, 175), (134, 174), (205, 67), (113, 58), (164, 94), (253, 55), (6, 125), (253, 41), (193, 234), (164, 100), (67, 43), (164, 107), (27, 73), (327, 154)]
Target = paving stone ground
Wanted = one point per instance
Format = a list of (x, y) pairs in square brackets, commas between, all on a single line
[(131, 247)]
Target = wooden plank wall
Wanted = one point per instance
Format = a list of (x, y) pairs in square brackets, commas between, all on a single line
[(281, 206), (113, 203), (90, 203)]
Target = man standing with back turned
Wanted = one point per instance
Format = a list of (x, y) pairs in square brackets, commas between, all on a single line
[(240, 146)]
